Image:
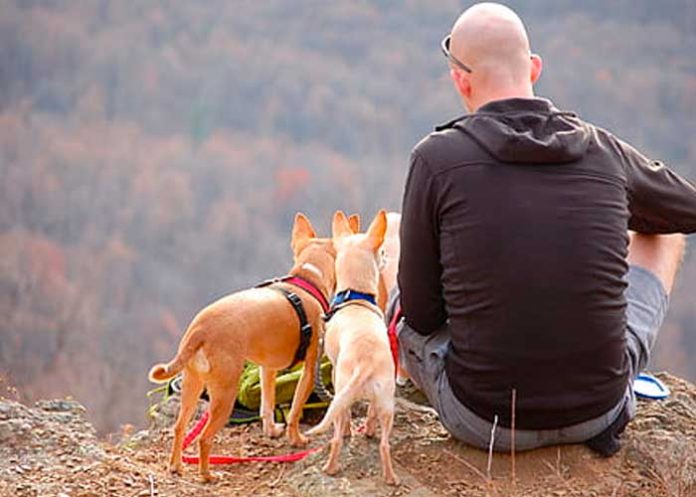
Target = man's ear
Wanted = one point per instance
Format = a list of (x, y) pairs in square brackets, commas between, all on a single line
[(377, 230), (461, 83), (354, 222), (302, 231), (340, 226), (537, 65)]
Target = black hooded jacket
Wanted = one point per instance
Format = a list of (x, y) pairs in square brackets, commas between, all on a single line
[(514, 229)]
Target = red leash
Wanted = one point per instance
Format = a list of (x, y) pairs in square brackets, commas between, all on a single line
[(293, 456), (393, 339), (191, 436)]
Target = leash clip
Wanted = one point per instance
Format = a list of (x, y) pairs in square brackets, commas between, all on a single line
[(326, 317)]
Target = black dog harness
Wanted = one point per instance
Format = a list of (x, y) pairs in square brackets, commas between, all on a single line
[(296, 303)]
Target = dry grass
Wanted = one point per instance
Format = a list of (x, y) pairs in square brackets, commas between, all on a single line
[(671, 467)]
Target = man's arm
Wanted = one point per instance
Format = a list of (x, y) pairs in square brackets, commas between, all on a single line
[(419, 265), (659, 200)]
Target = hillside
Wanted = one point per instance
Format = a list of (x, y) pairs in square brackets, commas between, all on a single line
[(153, 154), (50, 449)]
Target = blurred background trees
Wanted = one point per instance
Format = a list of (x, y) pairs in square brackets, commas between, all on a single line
[(153, 154)]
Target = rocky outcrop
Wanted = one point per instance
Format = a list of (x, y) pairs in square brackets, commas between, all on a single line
[(50, 449), (53, 436)]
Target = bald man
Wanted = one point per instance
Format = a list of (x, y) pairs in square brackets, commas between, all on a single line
[(517, 270)]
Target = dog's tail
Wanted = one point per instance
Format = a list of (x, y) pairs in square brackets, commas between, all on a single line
[(190, 349), (341, 401)]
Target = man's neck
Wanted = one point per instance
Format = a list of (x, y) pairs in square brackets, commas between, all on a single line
[(502, 94)]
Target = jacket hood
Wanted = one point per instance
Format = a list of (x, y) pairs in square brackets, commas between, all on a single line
[(527, 130)]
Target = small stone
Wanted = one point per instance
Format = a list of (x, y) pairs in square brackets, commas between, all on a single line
[(65, 405)]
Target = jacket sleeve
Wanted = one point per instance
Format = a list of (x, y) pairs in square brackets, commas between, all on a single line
[(419, 265), (659, 200)]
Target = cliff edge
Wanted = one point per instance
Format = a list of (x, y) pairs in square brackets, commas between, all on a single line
[(51, 449)]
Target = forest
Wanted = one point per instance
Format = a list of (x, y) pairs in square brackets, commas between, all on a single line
[(153, 154)]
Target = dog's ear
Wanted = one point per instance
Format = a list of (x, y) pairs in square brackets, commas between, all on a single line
[(354, 222), (340, 226), (302, 231), (377, 230)]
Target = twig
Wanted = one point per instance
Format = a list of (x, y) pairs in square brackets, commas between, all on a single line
[(280, 475), (467, 464), (490, 445), (512, 436), (152, 486), (558, 461), (556, 469), (128, 466), (412, 406)]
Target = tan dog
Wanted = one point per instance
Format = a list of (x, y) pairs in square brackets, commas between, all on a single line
[(356, 342), (389, 266), (387, 269), (259, 325), (392, 250)]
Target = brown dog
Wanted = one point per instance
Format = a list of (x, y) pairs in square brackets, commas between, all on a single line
[(259, 325), (356, 342)]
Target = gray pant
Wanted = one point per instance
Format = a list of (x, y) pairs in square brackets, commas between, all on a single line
[(424, 359)]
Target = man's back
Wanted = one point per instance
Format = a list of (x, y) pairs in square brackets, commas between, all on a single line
[(520, 214)]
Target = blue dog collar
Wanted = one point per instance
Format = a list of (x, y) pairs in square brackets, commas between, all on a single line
[(348, 295)]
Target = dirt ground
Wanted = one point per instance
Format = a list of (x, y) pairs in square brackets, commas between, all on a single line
[(51, 450)]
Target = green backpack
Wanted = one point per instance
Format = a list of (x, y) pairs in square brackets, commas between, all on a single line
[(246, 407)]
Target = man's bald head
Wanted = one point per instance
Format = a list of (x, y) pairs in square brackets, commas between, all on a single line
[(491, 39)]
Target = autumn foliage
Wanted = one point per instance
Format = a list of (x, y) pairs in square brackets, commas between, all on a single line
[(153, 154)]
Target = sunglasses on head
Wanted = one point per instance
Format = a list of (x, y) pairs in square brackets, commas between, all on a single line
[(445, 46)]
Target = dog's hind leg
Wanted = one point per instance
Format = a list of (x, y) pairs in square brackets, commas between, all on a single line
[(302, 391), (346, 415), (385, 413), (371, 420), (191, 388), (268, 382), (346, 424), (223, 391), (332, 466)]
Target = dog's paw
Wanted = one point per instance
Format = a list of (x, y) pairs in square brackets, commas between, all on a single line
[(298, 439), (206, 477), (331, 469), (175, 469), (273, 430), (391, 479)]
